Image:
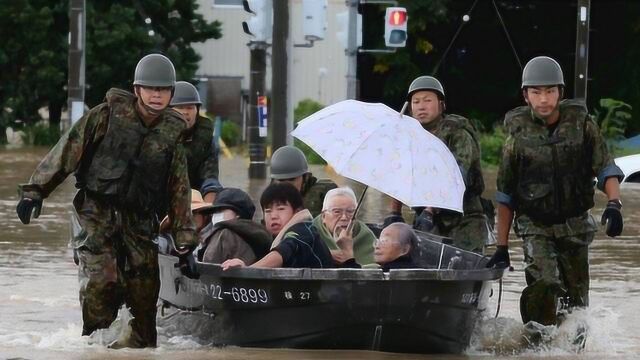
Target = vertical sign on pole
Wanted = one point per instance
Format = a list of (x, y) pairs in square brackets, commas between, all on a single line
[(262, 116)]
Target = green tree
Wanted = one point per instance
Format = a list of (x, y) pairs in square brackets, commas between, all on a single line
[(33, 56), (305, 108)]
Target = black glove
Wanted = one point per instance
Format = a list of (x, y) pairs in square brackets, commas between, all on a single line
[(613, 218), (187, 264), (28, 206), (394, 217), (424, 222), (500, 258)]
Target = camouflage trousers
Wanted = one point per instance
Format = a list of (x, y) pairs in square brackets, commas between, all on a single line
[(557, 269), (469, 232), (118, 264)]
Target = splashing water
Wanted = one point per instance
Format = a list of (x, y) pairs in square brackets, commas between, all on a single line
[(506, 336)]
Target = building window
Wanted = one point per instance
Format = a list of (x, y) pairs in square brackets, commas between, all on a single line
[(227, 3)]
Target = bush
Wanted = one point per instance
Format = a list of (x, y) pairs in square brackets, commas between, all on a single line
[(230, 133), (41, 134), (491, 146), (305, 108)]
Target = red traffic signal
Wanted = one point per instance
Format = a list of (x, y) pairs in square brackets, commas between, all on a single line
[(395, 27), (398, 17)]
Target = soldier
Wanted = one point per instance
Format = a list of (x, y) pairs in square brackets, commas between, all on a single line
[(289, 164), (552, 154), (130, 166), (202, 156), (471, 230)]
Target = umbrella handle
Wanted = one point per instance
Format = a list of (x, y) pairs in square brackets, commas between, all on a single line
[(355, 213), (404, 108)]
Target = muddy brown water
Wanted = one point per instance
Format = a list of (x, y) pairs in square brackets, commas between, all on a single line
[(40, 314)]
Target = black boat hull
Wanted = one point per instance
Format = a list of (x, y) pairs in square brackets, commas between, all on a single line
[(411, 311)]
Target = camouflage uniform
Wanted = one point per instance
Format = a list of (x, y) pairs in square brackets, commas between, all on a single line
[(546, 177), (127, 173), (202, 157), (313, 193), (468, 231)]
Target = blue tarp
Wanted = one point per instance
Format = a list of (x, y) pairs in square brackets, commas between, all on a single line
[(630, 143)]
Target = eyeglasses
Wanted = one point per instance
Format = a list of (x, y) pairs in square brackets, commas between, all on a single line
[(340, 211), (384, 241)]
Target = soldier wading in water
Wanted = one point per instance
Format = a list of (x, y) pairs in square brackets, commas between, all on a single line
[(130, 167), (545, 185)]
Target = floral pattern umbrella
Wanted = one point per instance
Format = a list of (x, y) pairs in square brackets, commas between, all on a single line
[(377, 146)]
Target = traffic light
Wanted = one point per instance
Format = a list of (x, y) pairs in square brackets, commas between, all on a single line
[(395, 27), (260, 24)]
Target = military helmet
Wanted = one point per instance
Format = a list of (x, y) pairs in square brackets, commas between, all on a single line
[(185, 94), (425, 83), (542, 71), (155, 70), (288, 162)]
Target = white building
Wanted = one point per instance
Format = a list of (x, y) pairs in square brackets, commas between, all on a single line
[(318, 73)]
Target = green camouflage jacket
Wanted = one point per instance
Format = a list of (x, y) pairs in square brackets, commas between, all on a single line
[(313, 193), (460, 136), (202, 157), (548, 174), (76, 149)]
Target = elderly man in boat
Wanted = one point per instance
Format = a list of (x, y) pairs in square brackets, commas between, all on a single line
[(304, 242)]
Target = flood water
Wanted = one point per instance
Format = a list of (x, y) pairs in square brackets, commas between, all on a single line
[(40, 314)]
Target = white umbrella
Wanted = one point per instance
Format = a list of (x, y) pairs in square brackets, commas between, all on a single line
[(375, 145)]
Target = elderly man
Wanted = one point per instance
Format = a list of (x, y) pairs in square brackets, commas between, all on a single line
[(393, 249), (337, 212)]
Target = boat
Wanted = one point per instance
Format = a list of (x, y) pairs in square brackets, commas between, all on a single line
[(428, 310)]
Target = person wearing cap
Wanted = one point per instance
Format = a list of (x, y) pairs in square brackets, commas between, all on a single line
[(202, 154), (468, 231), (232, 233), (130, 168), (288, 164), (545, 184)]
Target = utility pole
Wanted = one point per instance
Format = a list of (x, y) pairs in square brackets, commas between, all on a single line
[(280, 81), (258, 68), (76, 80), (582, 50), (352, 49)]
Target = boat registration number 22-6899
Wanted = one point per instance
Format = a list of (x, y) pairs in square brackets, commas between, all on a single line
[(237, 294)]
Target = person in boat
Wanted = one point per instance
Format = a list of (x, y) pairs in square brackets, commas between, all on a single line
[(232, 233), (470, 231), (393, 249), (288, 164), (202, 154), (338, 209), (201, 211), (297, 243), (130, 167), (552, 153)]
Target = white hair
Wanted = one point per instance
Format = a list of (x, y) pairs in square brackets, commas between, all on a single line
[(341, 191)]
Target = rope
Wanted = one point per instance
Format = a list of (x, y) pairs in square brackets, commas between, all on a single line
[(455, 36), (435, 69), (506, 32), (499, 299)]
